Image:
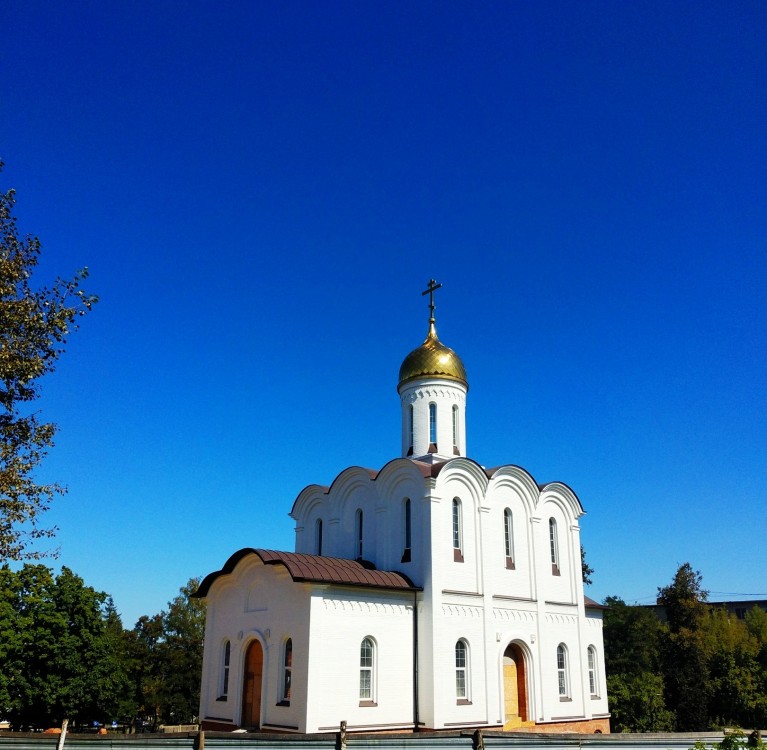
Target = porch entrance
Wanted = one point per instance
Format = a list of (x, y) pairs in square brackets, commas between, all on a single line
[(514, 688)]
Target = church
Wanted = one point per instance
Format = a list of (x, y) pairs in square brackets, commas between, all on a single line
[(430, 594)]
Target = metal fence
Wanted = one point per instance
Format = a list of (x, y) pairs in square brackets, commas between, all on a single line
[(338, 741)]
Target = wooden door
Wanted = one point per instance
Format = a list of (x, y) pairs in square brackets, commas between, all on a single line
[(510, 695), (251, 686), (514, 685)]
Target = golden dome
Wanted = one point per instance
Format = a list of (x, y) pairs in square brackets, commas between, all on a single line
[(432, 359)]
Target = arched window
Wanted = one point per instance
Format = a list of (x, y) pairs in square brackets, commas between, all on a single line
[(508, 538), (367, 671), (563, 675), (433, 425), (554, 546), (408, 529), (592, 662), (455, 428), (287, 671), (457, 531), (461, 671), (411, 429), (358, 533), (225, 670), (318, 536)]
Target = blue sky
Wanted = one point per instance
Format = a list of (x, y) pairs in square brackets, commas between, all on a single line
[(262, 190)]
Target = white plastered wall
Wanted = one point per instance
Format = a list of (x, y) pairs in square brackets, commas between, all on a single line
[(341, 618)]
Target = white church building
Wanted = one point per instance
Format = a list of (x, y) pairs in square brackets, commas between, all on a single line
[(431, 594)]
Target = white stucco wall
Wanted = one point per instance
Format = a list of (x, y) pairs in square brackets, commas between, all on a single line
[(341, 619)]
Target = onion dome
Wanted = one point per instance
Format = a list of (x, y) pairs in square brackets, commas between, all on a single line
[(432, 360)]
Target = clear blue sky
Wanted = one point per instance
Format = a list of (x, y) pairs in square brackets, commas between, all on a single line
[(261, 192)]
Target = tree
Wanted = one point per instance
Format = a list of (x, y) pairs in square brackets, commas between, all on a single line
[(586, 570), (184, 633), (57, 649), (635, 685), (632, 637), (636, 703), (165, 658), (685, 662), (684, 599), (34, 325)]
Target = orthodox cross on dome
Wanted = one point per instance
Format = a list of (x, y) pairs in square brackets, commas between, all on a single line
[(433, 286)]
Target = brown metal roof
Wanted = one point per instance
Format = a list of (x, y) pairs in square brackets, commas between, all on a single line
[(316, 569), (591, 604)]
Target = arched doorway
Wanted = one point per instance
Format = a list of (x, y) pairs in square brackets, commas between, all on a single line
[(514, 686), (251, 686)]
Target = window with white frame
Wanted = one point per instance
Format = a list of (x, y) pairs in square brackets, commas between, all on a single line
[(462, 671), (358, 534), (287, 671), (433, 424), (226, 655), (554, 546), (408, 530), (318, 536), (367, 671), (591, 655), (563, 673), (457, 531), (508, 538)]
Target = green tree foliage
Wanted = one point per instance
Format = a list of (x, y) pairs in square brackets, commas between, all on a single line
[(58, 654), (632, 638), (184, 632), (737, 678), (635, 684), (684, 654), (34, 324), (636, 703), (142, 658), (165, 656), (586, 570), (701, 668), (684, 599), (64, 654)]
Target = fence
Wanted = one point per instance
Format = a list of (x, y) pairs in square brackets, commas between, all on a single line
[(338, 741)]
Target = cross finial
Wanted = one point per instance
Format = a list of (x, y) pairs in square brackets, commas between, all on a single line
[(433, 286)]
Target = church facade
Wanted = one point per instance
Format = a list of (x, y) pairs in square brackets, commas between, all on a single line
[(433, 593)]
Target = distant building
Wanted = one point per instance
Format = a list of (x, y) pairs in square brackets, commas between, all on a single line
[(737, 608), (432, 593)]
